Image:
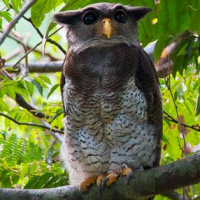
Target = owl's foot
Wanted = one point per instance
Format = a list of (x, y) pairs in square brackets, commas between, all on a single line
[(127, 172), (87, 183), (111, 177)]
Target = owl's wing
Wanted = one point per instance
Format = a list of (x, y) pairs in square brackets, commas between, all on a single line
[(147, 81), (62, 84)]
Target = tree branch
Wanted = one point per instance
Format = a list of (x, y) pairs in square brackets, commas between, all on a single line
[(195, 127), (15, 20), (22, 102), (31, 124), (141, 186), (29, 51), (40, 67), (54, 132), (41, 35)]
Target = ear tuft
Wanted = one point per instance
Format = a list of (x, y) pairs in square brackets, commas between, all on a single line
[(140, 12), (66, 17), (61, 18)]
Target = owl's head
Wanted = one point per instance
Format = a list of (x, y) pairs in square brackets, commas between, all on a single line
[(105, 22)]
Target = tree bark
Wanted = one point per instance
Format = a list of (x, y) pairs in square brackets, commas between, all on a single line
[(142, 185)]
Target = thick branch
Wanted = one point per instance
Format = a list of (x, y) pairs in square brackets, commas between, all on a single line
[(40, 67), (15, 20), (21, 102), (142, 185)]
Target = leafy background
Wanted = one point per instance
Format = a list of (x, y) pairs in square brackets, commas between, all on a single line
[(29, 155)]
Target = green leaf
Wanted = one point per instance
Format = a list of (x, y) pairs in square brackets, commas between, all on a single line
[(38, 182), (189, 47), (41, 81), (29, 86), (31, 183), (15, 179), (6, 183), (38, 86), (6, 15), (24, 170), (42, 7), (58, 113), (197, 109), (16, 4), (1, 138), (0, 23), (173, 18), (195, 12), (52, 90), (45, 78), (3, 106), (6, 2)]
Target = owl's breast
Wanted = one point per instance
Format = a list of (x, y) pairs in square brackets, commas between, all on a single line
[(96, 68), (100, 86)]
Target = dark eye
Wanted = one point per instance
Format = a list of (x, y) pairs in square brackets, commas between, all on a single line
[(89, 18), (120, 16)]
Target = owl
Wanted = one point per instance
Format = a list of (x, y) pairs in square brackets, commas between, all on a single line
[(111, 96)]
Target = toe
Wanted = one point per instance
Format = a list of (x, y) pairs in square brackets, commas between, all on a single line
[(127, 172), (86, 183), (99, 182), (110, 178)]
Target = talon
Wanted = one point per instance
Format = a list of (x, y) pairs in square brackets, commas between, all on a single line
[(110, 178), (99, 182), (127, 172), (87, 183), (104, 182)]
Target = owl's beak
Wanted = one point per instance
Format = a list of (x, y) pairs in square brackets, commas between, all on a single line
[(107, 27)]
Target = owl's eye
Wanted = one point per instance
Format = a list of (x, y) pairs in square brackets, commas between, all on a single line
[(120, 16), (89, 18)]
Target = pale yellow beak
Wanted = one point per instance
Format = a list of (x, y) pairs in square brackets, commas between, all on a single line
[(107, 27)]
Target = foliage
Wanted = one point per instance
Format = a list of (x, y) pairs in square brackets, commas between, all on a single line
[(28, 163), (28, 154)]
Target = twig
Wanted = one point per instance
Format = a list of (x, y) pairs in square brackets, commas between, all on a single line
[(15, 20), (41, 35), (167, 80), (13, 54), (21, 101), (9, 168), (56, 44), (25, 67), (176, 110), (195, 127), (56, 135), (180, 144), (28, 48), (33, 49), (37, 30), (31, 124)]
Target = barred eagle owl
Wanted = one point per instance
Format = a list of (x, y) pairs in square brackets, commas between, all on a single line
[(111, 96)]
